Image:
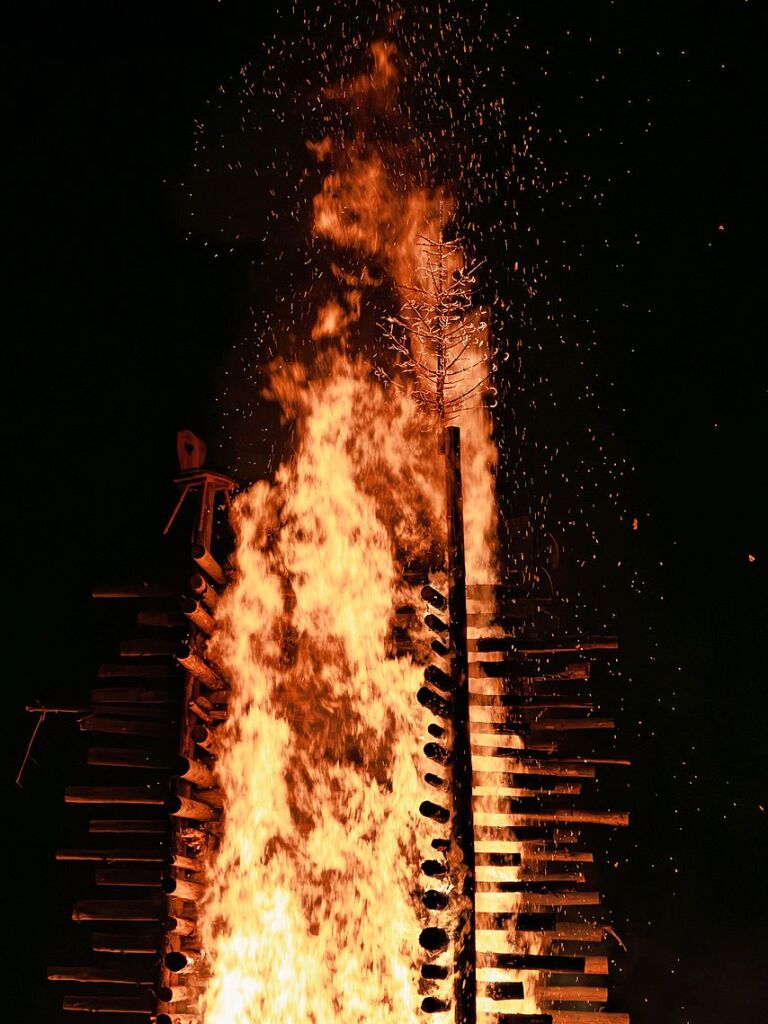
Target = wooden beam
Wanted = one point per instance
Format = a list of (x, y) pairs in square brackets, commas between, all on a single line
[(113, 856), (139, 878), (501, 820), (127, 757), (464, 989), (574, 994), (109, 591), (127, 943), (130, 695), (128, 825), (130, 1005), (123, 975), (124, 726), (135, 670), (117, 910), (540, 962), (117, 795)]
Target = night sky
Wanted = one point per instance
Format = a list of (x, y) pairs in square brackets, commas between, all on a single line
[(128, 323)]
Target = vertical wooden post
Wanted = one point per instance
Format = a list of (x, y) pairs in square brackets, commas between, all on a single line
[(463, 827)]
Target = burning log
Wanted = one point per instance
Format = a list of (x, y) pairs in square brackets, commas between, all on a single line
[(179, 925), (178, 1018), (194, 810), (200, 669), (198, 615), (434, 939), (204, 590), (582, 1017), (117, 910), (178, 860), (439, 679), (138, 1005), (488, 763), (178, 961), (436, 625), (106, 975), (498, 990), (128, 795), (569, 724), (176, 993), (493, 902), (434, 811), (434, 597), (439, 707), (433, 1005), (195, 772), (534, 647), (183, 889), (208, 564), (574, 994), (495, 928), (536, 962), (205, 738), (615, 818)]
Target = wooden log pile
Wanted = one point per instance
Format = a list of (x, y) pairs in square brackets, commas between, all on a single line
[(150, 771), (510, 695)]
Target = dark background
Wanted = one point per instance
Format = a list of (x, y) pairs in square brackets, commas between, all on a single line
[(121, 330)]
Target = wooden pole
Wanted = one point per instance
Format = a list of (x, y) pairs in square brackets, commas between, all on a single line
[(465, 988)]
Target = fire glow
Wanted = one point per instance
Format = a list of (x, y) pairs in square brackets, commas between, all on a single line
[(314, 905)]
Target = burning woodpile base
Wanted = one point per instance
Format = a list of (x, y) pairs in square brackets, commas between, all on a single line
[(508, 914)]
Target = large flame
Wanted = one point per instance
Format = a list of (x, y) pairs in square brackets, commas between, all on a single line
[(313, 910)]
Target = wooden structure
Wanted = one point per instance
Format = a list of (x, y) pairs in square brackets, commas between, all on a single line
[(151, 717), (509, 693)]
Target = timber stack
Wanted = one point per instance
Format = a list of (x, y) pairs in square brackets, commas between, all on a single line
[(156, 804)]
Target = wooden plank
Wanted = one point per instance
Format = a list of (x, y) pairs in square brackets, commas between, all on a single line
[(574, 994), (140, 826), (118, 910), (500, 902), (118, 795), (533, 648), (111, 855), (128, 1005), (124, 726), (123, 975), (542, 962), (126, 943), (136, 670), (130, 695), (582, 1017), (138, 878), (143, 588), (127, 757), (148, 647), (464, 990), (617, 819)]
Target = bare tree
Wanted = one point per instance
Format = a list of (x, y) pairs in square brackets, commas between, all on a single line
[(439, 336)]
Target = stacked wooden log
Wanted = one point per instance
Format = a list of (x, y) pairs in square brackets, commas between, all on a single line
[(153, 718), (512, 683)]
